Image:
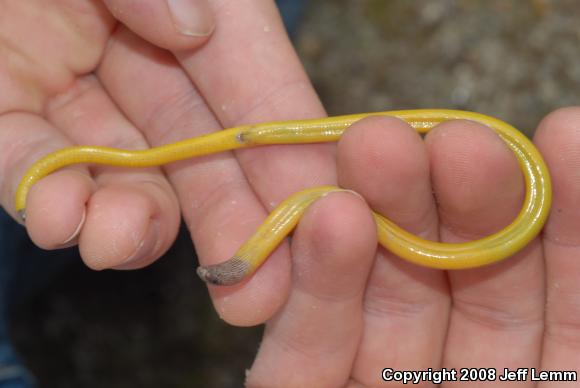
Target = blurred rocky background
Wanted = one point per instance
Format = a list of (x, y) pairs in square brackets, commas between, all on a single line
[(516, 60)]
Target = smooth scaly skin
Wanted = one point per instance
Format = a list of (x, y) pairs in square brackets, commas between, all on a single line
[(285, 217)]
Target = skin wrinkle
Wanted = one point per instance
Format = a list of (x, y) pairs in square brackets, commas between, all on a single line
[(331, 297), (7, 43), (385, 308), (421, 222), (276, 96), (494, 308), (383, 300), (52, 78), (164, 119), (457, 229), (13, 56), (18, 82), (77, 90), (495, 317)]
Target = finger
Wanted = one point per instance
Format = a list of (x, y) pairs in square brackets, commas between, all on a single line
[(558, 138), (385, 160), (171, 24), (133, 217), (497, 310), (72, 39), (250, 73), (51, 222), (318, 331), (247, 73), (218, 205)]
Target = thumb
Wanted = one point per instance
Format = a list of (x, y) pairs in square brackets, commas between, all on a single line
[(171, 24)]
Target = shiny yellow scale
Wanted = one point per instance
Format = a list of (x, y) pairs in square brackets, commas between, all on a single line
[(284, 218)]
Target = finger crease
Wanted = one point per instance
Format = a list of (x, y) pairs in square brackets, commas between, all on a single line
[(387, 307), (497, 318), (271, 98)]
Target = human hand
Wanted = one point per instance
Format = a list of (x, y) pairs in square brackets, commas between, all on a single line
[(353, 311), (51, 99), (143, 96)]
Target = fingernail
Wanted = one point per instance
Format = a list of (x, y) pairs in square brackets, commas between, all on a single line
[(192, 17), (340, 190), (75, 234), (146, 246), (356, 194)]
